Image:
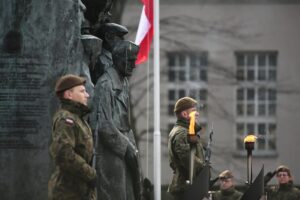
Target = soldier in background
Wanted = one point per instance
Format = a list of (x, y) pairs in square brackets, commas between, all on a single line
[(179, 147), (227, 190), (71, 144), (285, 189)]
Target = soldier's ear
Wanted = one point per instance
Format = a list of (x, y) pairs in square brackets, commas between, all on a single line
[(185, 114), (67, 94)]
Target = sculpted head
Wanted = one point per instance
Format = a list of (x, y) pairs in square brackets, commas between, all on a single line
[(124, 56)]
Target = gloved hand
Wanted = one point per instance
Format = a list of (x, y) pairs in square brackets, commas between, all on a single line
[(193, 139), (268, 177), (93, 183), (131, 158), (212, 182)]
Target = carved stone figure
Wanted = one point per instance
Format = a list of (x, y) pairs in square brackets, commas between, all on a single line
[(98, 11), (117, 155), (92, 49), (92, 46), (111, 34)]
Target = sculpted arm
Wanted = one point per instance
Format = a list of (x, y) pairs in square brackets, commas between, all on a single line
[(109, 135)]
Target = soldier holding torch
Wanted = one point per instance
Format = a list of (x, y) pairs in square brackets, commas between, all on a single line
[(184, 144)]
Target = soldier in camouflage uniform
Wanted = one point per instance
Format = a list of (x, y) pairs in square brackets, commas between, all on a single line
[(227, 190), (71, 144), (179, 147), (285, 189)]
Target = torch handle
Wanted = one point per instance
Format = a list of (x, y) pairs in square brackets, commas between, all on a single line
[(192, 161), (249, 167)]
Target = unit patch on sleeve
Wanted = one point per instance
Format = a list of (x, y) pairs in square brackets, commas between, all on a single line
[(69, 121)]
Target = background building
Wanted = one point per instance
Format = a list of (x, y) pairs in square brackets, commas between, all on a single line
[(241, 60)]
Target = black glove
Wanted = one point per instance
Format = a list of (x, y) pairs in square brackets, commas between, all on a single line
[(131, 158), (147, 189), (212, 182), (93, 183)]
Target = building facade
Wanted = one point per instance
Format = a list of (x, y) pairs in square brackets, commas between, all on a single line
[(240, 60)]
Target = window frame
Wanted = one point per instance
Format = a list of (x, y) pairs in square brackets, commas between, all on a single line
[(247, 96), (195, 88)]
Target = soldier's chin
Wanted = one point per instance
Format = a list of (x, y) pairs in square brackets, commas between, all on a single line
[(84, 102)]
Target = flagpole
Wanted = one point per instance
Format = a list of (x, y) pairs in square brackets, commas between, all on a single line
[(156, 79)]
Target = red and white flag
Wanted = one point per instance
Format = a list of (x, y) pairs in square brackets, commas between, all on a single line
[(145, 31)]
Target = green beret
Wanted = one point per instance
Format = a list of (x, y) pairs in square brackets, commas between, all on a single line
[(67, 82), (225, 174), (184, 103)]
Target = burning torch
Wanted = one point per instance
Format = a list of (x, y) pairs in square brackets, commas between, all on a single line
[(192, 133), (249, 146)]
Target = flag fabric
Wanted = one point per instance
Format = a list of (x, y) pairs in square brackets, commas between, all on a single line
[(145, 31)]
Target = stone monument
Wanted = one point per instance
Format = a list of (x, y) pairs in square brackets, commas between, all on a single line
[(39, 41)]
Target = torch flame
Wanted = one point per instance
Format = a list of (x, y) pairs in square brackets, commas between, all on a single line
[(192, 123), (250, 138)]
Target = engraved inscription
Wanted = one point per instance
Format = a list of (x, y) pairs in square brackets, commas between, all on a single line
[(22, 101)]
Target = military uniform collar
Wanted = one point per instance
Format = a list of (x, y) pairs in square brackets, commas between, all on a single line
[(75, 107), (182, 122), (286, 186), (228, 191), (117, 80), (186, 123)]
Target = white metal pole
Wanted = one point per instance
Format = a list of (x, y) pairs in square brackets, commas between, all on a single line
[(156, 79)]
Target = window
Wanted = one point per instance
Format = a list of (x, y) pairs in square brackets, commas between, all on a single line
[(256, 101), (266, 141), (256, 97), (256, 66), (187, 67), (187, 76)]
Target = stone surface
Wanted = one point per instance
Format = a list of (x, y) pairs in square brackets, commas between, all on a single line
[(39, 41)]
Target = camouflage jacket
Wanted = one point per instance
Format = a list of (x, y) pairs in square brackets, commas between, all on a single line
[(179, 156), (283, 192), (229, 194), (71, 149)]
